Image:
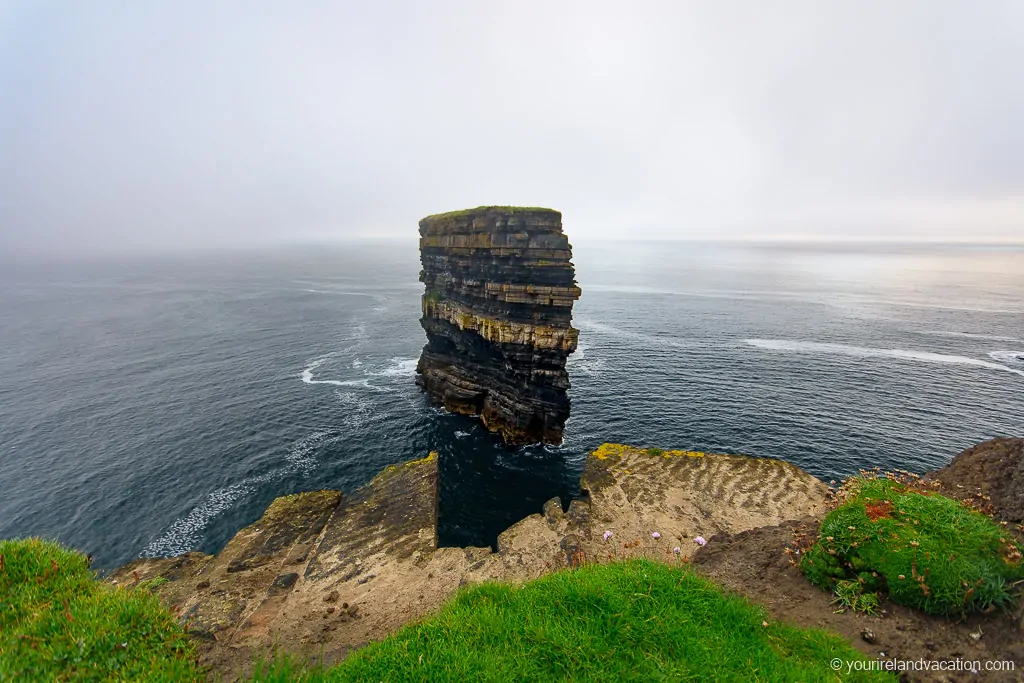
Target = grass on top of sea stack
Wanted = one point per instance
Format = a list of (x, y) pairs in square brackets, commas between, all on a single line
[(894, 535), (636, 620), (58, 623)]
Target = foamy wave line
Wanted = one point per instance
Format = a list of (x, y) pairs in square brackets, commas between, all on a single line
[(358, 409), (579, 363), (925, 304), (974, 335), (400, 367), (1011, 357), (611, 330), (864, 352), (186, 533), (364, 383)]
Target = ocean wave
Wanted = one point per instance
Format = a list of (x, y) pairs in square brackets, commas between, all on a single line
[(579, 363), (301, 456), (363, 383), (865, 352), (1011, 357), (973, 335), (186, 533), (857, 299), (400, 367), (612, 331), (359, 409), (307, 374)]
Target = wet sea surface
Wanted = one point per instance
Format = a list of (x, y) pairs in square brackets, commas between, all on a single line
[(157, 405)]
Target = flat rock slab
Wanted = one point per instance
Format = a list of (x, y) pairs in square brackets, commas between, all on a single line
[(636, 493)]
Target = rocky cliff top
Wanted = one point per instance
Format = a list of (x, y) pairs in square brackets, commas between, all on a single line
[(492, 218), (990, 474)]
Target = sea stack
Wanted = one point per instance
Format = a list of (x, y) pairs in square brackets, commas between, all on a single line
[(497, 310)]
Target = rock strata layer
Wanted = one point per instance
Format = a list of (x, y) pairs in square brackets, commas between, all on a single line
[(497, 311)]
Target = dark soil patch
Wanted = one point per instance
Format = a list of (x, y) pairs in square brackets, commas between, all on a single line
[(991, 475), (755, 564)]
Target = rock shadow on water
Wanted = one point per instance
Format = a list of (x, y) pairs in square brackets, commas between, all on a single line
[(486, 486)]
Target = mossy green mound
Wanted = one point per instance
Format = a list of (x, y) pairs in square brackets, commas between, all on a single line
[(628, 621), (58, 623), (925, 550)]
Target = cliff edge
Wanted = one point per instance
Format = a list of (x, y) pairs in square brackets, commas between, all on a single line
[(497, 311), (325, 573)]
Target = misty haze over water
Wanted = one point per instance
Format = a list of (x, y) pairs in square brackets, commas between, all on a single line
[(160, 125)]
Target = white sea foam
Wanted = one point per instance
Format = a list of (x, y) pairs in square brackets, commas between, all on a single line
[(461, 435), (301, 455), (307, 374), (400, 367), (928, 304), (864, 352), (1011, 357), (186, 533), (650, 340), (362, 383), (579, 363), (974, 335)]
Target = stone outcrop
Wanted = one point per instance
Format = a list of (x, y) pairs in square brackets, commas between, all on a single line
[(497, 312), (321, 574), (990, 474), (681, 495)]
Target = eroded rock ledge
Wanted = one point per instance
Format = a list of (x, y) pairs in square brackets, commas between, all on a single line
[(497, 312), (322, 573)]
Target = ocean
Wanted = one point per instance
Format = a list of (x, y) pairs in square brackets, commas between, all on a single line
[(157, 404)]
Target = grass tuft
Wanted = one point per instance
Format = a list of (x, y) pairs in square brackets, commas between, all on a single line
[(636, 620), (923, 549), (58, 623)]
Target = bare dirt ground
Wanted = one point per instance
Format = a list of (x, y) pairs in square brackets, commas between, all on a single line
[(755, 564)]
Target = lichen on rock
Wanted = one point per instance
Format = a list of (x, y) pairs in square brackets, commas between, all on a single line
[(497, 311)]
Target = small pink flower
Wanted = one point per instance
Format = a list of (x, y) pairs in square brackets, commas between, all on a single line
[(655, 535), (700, 541), (676, 550), (607, 535)]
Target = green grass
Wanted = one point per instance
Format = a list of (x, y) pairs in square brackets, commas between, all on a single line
[(58, 623), (462, 213), (628, 621), (921, 548)]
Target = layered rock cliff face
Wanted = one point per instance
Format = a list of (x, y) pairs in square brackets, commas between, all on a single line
[(497, 312)]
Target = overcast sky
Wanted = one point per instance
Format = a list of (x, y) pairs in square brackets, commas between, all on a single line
[(160, 124)]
